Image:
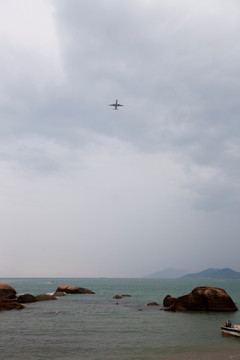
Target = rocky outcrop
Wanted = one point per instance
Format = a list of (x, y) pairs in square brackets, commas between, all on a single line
[(121, 296), (69, 289), (26, 298), (154, 303), (8, 304), (6, 291), (117, 296), (45, 297), (202, 298)]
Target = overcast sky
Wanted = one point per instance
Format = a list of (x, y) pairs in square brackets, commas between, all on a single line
[(89, 191)]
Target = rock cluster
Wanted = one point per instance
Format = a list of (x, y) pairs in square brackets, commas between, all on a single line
[(201, 298), (9, 304), (121, 296), (9, 299)]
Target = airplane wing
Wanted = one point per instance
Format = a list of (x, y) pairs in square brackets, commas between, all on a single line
[(112, 104), (119, 105)]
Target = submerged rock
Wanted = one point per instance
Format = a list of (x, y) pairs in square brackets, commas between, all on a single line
[(69, 289), (121, 296), (202, 298), (6, 291), (154, 303), (117, 297), (8, 304), (26, 298), (59, 293), (45, 297)]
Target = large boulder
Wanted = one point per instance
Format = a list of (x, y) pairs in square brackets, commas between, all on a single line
[(202, 298), (69, 289), (6, 291), (26, 298), (8, 304)]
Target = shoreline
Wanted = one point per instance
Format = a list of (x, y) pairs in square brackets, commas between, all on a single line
[(203, 355)]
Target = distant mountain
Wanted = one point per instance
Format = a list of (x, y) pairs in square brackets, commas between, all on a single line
[(225, 273), (167, 274)]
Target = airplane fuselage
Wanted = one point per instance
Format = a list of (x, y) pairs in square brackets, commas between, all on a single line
[(115, 105)]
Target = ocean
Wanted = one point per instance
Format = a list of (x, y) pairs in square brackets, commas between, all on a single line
[(98, 327)]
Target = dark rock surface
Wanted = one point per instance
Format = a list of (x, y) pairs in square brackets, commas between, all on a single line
[(8, 304), (203, 298), (45, 297), (59, 293), (168, 300), (6, 291), (26, 298), (117, 297), (154, 303)]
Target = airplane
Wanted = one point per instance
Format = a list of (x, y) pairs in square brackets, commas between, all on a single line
[(116, 104)]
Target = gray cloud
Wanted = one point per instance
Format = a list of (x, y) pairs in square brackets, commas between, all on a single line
[(169, 156)]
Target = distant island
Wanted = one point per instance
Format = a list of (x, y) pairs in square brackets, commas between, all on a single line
[(169, 273), (225, 273), (210, 273)]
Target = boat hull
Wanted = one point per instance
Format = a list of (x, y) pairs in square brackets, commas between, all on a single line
[(233, 331)]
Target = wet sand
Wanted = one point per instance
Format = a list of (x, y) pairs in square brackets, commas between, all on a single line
[(210, 355)]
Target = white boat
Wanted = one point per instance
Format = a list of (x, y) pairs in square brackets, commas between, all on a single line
[(233, 330)]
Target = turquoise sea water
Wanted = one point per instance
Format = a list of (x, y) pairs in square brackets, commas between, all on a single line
[(95, 327)]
